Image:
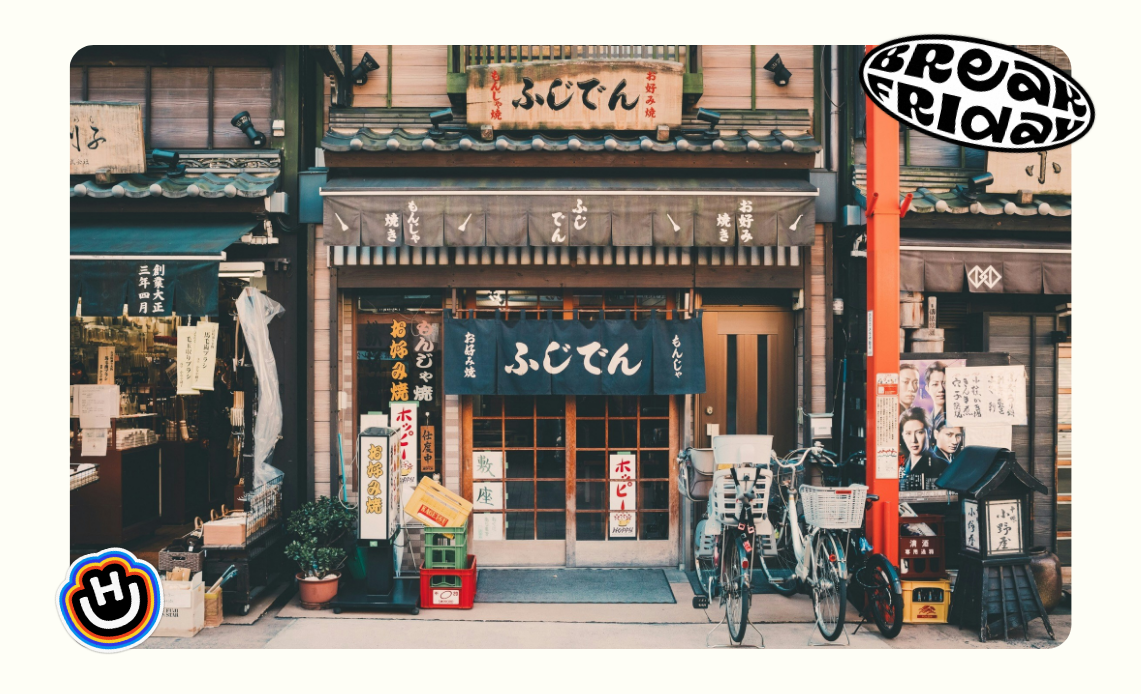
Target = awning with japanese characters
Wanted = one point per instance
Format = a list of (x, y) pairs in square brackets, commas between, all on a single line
[(544, 356), (154, 268), (569, 212), (989, 266)]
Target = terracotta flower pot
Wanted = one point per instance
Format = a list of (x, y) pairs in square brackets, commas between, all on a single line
[(315, 595)]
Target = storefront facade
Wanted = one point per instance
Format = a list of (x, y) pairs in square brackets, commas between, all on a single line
[(579, 241)]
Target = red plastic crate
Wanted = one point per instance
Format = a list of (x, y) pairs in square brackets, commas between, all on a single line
[(452, 589)]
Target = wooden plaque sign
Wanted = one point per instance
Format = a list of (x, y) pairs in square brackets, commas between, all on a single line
[(575, 95), (107, 136)]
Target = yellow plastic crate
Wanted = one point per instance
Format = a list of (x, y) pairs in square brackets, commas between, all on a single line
[(435, 506), (926, 602)]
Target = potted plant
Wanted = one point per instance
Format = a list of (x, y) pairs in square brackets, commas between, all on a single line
[(319, 529)]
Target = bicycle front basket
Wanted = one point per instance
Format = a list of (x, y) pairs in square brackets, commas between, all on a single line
[(834, 507)]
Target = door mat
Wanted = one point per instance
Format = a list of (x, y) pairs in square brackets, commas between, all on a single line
[(619, 586), (760, 584)]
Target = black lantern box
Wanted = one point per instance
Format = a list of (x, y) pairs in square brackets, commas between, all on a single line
[(995, 585)]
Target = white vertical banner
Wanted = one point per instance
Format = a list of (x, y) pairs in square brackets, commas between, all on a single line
[(374, 506), (402, 418), (487, 526), (205, 352), (106, 366), (887, 426), (187, 339), (487, 496), (623, 495)]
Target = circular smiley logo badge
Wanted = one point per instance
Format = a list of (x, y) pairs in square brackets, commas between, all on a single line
[(110, 601)]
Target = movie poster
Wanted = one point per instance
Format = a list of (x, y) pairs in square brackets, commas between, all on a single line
[(927, 443)]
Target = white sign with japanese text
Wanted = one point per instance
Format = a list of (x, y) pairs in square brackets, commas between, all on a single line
[(106, 137), (487, 526), (1004, 527), (887, 426), (623, 496), (622, 466), (187, 339), (106, 366), (986, 395), (205, 352), (971, 525), (375, 496), (487, 465), (487, 496), (623, 524), (403, 418)]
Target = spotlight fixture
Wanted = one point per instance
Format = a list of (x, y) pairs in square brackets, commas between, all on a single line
[(781, 75), (705, 116), (243, 122), (442, 116), (366, 65), (975, 185), (167, 161)]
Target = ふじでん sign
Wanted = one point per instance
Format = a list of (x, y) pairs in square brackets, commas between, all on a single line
[(976, 93)]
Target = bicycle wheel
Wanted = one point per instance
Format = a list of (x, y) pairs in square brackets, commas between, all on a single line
[(784, 561), (736, 590), (828, 599), (884, 603)]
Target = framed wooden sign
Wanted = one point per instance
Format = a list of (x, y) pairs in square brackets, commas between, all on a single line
[(575, 95), (107, 136)]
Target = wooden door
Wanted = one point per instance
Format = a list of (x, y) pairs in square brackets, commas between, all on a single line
[(750, 376)]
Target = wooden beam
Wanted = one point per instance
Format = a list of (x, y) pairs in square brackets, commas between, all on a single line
[(514, 276), (640, 160), (750, 276), (168, 206), (984, 222)]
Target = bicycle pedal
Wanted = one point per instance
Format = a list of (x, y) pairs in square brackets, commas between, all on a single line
[(700, 602)]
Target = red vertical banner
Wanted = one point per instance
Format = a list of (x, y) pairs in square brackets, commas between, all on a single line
[(882, 431)]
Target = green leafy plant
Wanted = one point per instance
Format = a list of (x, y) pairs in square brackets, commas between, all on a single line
[(319, 529)]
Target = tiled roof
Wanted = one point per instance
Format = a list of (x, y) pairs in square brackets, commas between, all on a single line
[(417, 140), (204, 185), (938, 191)]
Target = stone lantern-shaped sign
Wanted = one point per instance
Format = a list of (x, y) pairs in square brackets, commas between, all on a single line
[(995, 584)]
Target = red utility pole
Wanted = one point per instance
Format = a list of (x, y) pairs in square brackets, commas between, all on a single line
[(882, 405)]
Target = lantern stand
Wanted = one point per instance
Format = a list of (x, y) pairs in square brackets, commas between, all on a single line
[(379, 529), (995, 583)]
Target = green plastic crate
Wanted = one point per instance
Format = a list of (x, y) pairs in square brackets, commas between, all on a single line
[(445, 548)]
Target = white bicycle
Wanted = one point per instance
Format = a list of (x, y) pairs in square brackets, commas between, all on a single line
[(823, 567)]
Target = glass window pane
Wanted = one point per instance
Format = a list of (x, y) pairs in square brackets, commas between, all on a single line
[(552, 526), (550, 301), (655, 465), (591, 495), (591, 434), (591, 406), (486, 433), (623, 434), (551, 405), (1065, 519), (654, 526), (619, 299), (623, 406), (1064, 480), (521, 526), (655, 406), (591, 300), (590, 526), (486, 405), (521, 494), (655, 433), (591, 465), (1065, 551), (551, 495), (551, 433), (520, 406), (552, 464), (654, 495), (520, 464), (490, 298), (652, 300), (520, 433)]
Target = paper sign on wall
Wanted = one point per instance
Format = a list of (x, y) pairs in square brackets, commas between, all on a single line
[(623, 524), (623, 496), (403, 417), (487, 526), (487, 465), (97, 405), (187, 339), (887, 426), (106, 366), (487, 496), (1004, 527), (94, 443), (205, 352), (998, 436), (986, 395), (971, 524), (622, 466)]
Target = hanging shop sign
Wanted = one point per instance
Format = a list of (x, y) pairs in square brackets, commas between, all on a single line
[(379, 472), (106, 137), (567, 357), (986, 395), (575, 95), (403, 418)]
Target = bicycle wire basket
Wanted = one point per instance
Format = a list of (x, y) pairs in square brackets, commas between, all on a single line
[(835, 508), (724, 503)]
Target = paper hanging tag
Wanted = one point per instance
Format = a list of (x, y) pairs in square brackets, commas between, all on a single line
[(187, 339), (205, 354)]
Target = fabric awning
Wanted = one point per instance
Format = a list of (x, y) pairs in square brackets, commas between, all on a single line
[(154, 268), (986, 266), (569, 212)]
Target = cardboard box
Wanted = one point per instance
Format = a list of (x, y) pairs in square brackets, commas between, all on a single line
[(230, 530), (183, 607), (435, 506)]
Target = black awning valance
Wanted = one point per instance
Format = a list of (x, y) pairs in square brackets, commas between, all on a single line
[(986, 266), (569, 212)]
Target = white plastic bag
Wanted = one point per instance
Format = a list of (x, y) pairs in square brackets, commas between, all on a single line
[(255, 311)]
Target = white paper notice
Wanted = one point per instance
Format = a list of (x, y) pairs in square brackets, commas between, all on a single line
[(205, 349), (487, 496), (187, 338), (106, 366), (487, 526), (97, 405), (623, 524), (487, 465), (402, 416), (995, 436), (623, 496), (986, 395), (94, 443), (971, 524), (622, 466), (887, 426)]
